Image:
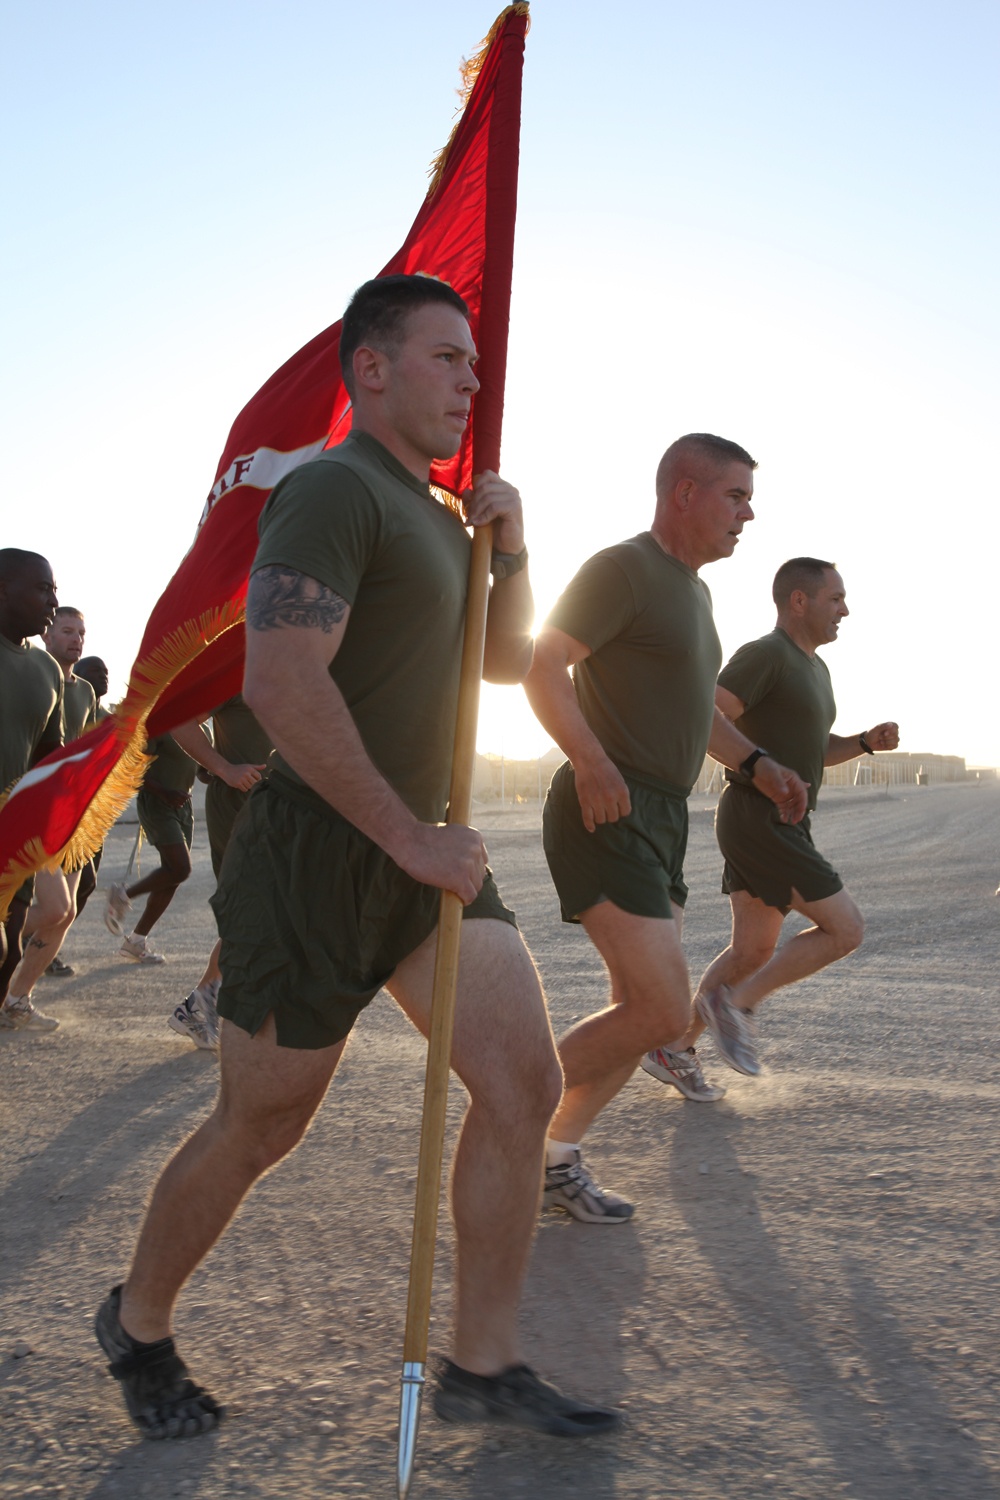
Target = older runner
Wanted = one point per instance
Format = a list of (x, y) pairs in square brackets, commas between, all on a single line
[(635, 628)]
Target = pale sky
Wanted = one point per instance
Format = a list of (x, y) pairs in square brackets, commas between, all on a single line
[(778, 223)]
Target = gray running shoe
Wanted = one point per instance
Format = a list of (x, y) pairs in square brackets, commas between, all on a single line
[(60, 969), (570, 1187), (683, 1070), (196, 1018), (137, 949), (117, 909), (732, 1030), (18, 1014)]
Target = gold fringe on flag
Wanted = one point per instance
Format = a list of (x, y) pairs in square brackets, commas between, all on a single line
[(150, 679), (470, 70)]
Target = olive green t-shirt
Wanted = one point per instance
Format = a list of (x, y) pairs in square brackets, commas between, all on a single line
[(173, 768), (648, 688), (31, 693), (79, 708), (238, 736), (789, 701), (358, 521)]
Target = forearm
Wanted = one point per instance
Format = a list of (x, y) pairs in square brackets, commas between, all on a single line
[(309, 723), (727, 744), (195, 742), (511, 614), (843, 747)]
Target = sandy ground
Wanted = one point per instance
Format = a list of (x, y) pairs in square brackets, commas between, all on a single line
[(805, 1304)]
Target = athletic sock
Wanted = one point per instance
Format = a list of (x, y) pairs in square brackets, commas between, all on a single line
[(558, 1153)]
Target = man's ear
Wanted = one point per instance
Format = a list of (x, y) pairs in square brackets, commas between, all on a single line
[(370, 367), (684, 493)]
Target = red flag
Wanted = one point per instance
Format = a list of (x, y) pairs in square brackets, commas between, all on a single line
[(191, 656)]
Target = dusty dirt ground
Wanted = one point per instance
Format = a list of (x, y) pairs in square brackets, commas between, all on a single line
[(805, 1304)]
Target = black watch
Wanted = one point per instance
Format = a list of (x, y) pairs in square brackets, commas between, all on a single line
[(506, 564), (746, 767)]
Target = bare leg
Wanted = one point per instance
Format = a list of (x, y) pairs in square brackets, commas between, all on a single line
[(12, 929), (160, 885), (212, 971), (839, 929), (49, 919), (267, 1097), (650, 1000), (504, 1054), (756, 929)]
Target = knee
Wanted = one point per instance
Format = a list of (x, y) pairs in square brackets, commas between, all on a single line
[(540, 1086), (752, 958), (650, 1026), (849, 934), (524, 1094), (56, 919), (177, 869), (266, 1140)]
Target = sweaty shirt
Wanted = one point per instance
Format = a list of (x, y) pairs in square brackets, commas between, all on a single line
[(789, 701), (648, 688), (358, 521), (31, 692)]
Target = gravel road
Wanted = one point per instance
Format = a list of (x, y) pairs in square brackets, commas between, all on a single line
[(804, 1306)]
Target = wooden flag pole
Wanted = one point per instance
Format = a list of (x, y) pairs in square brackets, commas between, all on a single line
[(425, 1216)]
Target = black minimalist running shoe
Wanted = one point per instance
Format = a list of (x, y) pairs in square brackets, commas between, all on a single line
[(162, 1400), (518, 1398)]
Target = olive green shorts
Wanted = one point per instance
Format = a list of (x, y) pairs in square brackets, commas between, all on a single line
[(768, 858), (636, 863), (223, 805), (163, 824), (314, 917)]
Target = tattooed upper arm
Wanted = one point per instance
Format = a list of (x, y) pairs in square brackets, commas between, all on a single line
[(280, 596)]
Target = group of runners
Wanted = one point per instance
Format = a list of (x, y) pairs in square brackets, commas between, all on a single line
[(51, 696), (47, 698), (329, 888)]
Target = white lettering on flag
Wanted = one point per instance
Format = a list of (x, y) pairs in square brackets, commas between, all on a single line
[(261, 469)]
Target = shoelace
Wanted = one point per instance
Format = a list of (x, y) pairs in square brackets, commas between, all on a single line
[(583, 1182)]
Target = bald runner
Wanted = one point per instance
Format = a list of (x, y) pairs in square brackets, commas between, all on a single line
[(624, 681)]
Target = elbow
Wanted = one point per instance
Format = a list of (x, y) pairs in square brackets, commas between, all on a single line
[(509, 666)]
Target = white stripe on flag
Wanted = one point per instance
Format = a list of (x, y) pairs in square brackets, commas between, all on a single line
[(42, 773)]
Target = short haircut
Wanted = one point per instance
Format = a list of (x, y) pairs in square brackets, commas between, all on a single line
[(805, 573), (701, 454), (68, 609), (89, 667), (13, 562), (376, 315)]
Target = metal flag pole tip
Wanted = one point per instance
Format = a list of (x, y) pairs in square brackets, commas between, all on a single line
[(410, 1396)]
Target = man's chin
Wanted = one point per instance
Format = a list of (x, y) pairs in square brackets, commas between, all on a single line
[(450, 443)]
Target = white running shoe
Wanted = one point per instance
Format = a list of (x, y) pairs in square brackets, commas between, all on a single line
[(117, 909), (569, 1186), (197, 1019), (18, 1014), (137, 949), (732, 1030), (683, 1070)]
